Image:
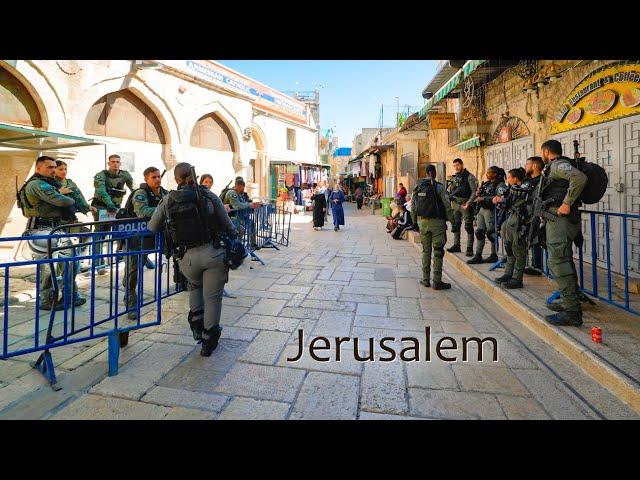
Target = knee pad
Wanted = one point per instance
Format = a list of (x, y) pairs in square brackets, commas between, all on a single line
[(480, 234), (438, 252), (491, 236), (508, 247), (468, 227)]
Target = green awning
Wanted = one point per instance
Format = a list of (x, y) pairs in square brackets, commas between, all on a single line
[(445, 90), (467, 144), (471, 65), (33, 139)]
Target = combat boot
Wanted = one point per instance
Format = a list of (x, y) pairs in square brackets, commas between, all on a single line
[(454, 249), (197, 326), (493, 258), (532, 271), (425, 283), (566, 318), (210, 340), (513, 283), (503, 279), (556, 307), (441, 286), (476, 259)]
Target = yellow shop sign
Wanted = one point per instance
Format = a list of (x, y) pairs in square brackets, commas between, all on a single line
[(610, 92)]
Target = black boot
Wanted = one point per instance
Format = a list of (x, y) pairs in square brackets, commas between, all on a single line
[(556, 307), (197, 326), (210, 340), (493, 258), (503, 279), (532, 271), (425, 283), (454, 249), (441, 286), (566, 318), (513, 283), (476, 259), (469, 252)]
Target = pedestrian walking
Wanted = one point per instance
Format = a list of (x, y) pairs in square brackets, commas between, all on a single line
[(194, 221), (337, 198), (432, 208), (319, 208), (359, 195)]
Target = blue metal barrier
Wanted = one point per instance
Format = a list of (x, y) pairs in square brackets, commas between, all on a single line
[(68, 325)]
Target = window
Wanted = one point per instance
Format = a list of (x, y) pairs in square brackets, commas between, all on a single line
[(212, 133), (291, 139), (123, 115)]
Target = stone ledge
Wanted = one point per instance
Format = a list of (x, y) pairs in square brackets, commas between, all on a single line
[(626, 390)]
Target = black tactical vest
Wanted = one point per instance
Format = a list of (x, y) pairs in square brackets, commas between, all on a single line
[(487, 189), (556, 189), (152, 199), (460, 187), (428, 202), (189, 224)]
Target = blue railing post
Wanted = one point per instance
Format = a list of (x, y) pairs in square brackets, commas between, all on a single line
[(608, 247), (625, 265), (114, 352), (594, 254)]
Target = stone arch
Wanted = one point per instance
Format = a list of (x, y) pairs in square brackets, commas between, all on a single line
[(518, 128), (141, 90), (262, 161), (231, 123)]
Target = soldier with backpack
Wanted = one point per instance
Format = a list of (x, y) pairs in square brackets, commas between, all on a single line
[(560, 191), (196, 222)]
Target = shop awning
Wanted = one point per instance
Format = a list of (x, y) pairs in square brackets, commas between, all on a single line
[(25, 138), (467, 144), (471, 65), (445, 90)]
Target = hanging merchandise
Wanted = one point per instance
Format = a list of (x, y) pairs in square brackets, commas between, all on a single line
[(372, 164)]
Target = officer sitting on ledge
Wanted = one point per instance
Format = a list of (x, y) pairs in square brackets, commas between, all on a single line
[(431, 208), (194, 223)]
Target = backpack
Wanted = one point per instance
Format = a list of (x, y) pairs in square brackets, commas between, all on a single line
[(187, 225), (597, 181)]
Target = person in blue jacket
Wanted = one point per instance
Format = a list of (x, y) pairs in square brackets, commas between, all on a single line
[(336, 198)]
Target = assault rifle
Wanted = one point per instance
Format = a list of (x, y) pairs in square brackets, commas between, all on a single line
[(539, 215)]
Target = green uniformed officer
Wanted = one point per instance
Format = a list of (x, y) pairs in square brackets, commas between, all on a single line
[(194, 221), (462, 191), (431, 207), (485, 218), (238, 199), (48, 206), (563, 183), (142, 204), (515, 242), (109, 191)]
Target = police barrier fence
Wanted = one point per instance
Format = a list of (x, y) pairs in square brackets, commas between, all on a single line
[(590, 256)]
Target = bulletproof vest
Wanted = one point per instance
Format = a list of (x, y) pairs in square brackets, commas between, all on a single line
[(188, 221), (428, 202), (487, 189), (114, 186), (518, 195), (152, 199), (460, 187), (556, 189), (35, 207)]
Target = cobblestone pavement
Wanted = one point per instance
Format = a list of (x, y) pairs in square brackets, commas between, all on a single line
[(358, 283)]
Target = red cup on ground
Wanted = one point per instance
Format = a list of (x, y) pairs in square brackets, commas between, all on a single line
[(596, 334)]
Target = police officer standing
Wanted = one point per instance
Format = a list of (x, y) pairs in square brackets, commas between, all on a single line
[(462, 191), (563, 183), (238, 199), (47, 207), (109, 192), (512, 231), (141, 204), (533, 168), (485, 219), (431, 207), (194, 222)]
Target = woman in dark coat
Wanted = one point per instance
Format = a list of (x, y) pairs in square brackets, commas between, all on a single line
[(319, 208)]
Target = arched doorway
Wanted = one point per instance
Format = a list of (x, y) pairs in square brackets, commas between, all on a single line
[(18, 107), (259, 167), (212, 150), (510, 145)]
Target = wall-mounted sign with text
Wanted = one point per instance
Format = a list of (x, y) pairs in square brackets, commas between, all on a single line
[(263, 97), (610, 92), (440, 121)]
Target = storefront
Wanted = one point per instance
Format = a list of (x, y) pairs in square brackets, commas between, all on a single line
[(295, 181), (602, 113)]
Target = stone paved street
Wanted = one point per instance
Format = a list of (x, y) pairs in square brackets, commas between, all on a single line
[(358, 282)]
